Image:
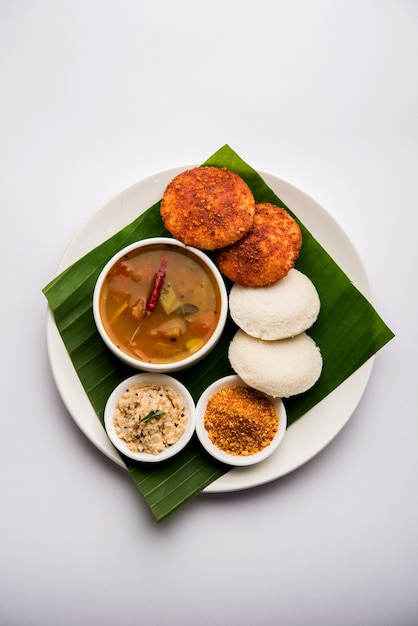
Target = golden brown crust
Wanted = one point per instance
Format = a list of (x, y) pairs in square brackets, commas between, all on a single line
[(208, 207), (266, 253)]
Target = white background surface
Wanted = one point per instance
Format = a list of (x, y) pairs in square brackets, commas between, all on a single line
[(97, 94)]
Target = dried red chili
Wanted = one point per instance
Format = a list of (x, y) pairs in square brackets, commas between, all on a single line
[(158, 284)]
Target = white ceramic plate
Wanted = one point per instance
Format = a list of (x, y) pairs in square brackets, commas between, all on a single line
[(308, 435)]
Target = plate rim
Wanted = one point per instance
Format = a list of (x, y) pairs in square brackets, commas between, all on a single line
[(287, 458)]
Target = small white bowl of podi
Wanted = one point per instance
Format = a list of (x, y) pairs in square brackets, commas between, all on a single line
[(159, 305), (150, 417), (237, 424)]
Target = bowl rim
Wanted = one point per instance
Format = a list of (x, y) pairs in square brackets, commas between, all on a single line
[(220, 455), (158, 378), (176, 365)]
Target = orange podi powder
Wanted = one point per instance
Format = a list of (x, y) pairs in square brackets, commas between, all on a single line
[(240, 420)]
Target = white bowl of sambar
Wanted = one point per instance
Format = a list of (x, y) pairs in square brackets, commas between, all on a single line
[(159, 305)]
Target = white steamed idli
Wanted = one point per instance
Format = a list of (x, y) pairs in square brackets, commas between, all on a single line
[(284, 309), (280, 368)]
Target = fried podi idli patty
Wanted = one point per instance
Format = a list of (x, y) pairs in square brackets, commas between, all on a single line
[(208, 207), (266, 253)]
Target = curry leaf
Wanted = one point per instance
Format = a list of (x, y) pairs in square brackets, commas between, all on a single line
[(153, 414)]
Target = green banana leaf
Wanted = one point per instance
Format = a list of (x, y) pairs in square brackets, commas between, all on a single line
[(348, 332)]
